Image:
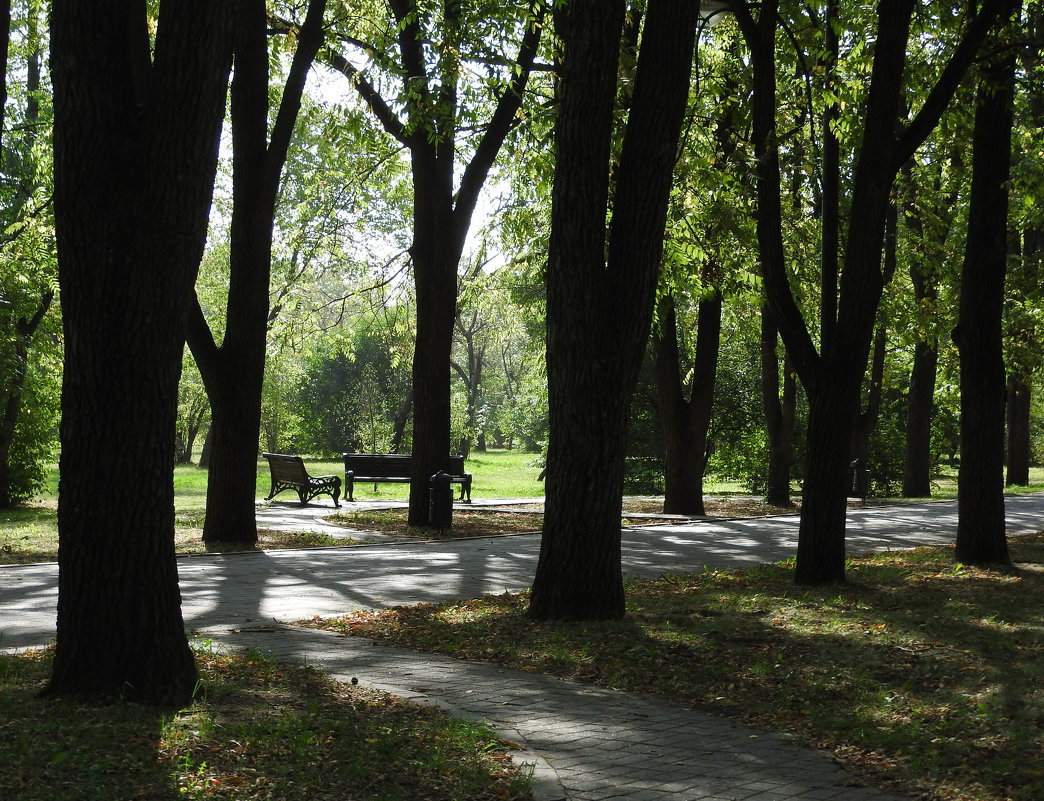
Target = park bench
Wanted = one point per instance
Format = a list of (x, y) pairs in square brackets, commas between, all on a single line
[(396, 468), (288, 472)]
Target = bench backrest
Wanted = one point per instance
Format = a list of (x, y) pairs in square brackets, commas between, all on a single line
[(393, 465), (287, 468)]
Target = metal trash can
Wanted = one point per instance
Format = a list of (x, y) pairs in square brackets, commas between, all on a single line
[(440, 501), (859, 485)]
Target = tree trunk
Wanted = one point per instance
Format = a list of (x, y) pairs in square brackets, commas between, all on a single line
[(135, 145), (779, 415), (686, 420), (920, 408), (401, 419), (1018, 418), (234, 373), (598, 313), (980, 496), (866, 418)]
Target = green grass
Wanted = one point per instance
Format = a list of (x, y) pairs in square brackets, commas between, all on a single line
[(30, 534), (260, 731), (921, 674)]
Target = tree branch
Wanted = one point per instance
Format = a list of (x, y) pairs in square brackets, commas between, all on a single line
[(942, 92)]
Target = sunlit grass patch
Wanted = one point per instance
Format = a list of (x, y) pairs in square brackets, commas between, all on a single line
[(259, 731), (920, 673)]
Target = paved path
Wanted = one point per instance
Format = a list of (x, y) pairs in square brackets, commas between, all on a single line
[(587, 743)]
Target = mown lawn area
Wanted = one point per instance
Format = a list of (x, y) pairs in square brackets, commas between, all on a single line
[(923, 675), (258, 731)]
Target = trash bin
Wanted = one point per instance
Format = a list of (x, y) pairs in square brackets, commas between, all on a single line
[(440, 501), (860, 480)]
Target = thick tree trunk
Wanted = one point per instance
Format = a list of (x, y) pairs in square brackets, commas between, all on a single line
[(135, 144), (686, 420), (598, 313), (821, 541), (980, 496), (436, 253), (920, 407), (1018, 419)]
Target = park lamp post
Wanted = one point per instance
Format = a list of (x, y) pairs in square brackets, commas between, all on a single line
[(711, 11)]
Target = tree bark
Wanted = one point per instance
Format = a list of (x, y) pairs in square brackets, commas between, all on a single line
[(135, 146), (686, 416), (920, 408), (980, 495), (779, 410), (598, 311), (1018, 424)]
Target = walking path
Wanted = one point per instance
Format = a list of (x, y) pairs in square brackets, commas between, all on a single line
[(586, 743)]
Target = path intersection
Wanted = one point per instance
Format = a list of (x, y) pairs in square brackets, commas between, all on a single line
[(585, 743)]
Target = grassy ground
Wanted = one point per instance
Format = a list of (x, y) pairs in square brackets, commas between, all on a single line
[(921, 674), (260, 731)]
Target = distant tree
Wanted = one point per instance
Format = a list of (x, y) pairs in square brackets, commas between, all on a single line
[(29, 344), (980, 485), (138, 112), (453, 130), (599, 298)]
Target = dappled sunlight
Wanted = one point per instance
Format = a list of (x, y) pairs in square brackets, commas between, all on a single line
[(917, 660)]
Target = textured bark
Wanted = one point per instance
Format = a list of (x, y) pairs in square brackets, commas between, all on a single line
[(135, 145), (1018, 425), (779, 409), (233, 373), (685, 413), (920, 407), (598, 312), (980, 496)]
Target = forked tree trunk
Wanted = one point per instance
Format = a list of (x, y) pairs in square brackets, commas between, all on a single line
[(234, 372), (598, 313), (833, 375), (686, 417), (135, 144)]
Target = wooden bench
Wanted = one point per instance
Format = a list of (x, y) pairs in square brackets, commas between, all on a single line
[(288, 472), (396, 468)]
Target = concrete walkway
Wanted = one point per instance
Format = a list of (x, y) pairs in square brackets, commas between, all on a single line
[(586, 743)]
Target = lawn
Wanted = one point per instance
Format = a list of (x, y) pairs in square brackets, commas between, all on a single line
[(923, 675), (259, 731)]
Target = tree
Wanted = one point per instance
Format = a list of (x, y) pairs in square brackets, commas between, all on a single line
[(233, 372), (832, 373), (137, 126), (28, 391), (426, 61), (599, 299), (980, 488)]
